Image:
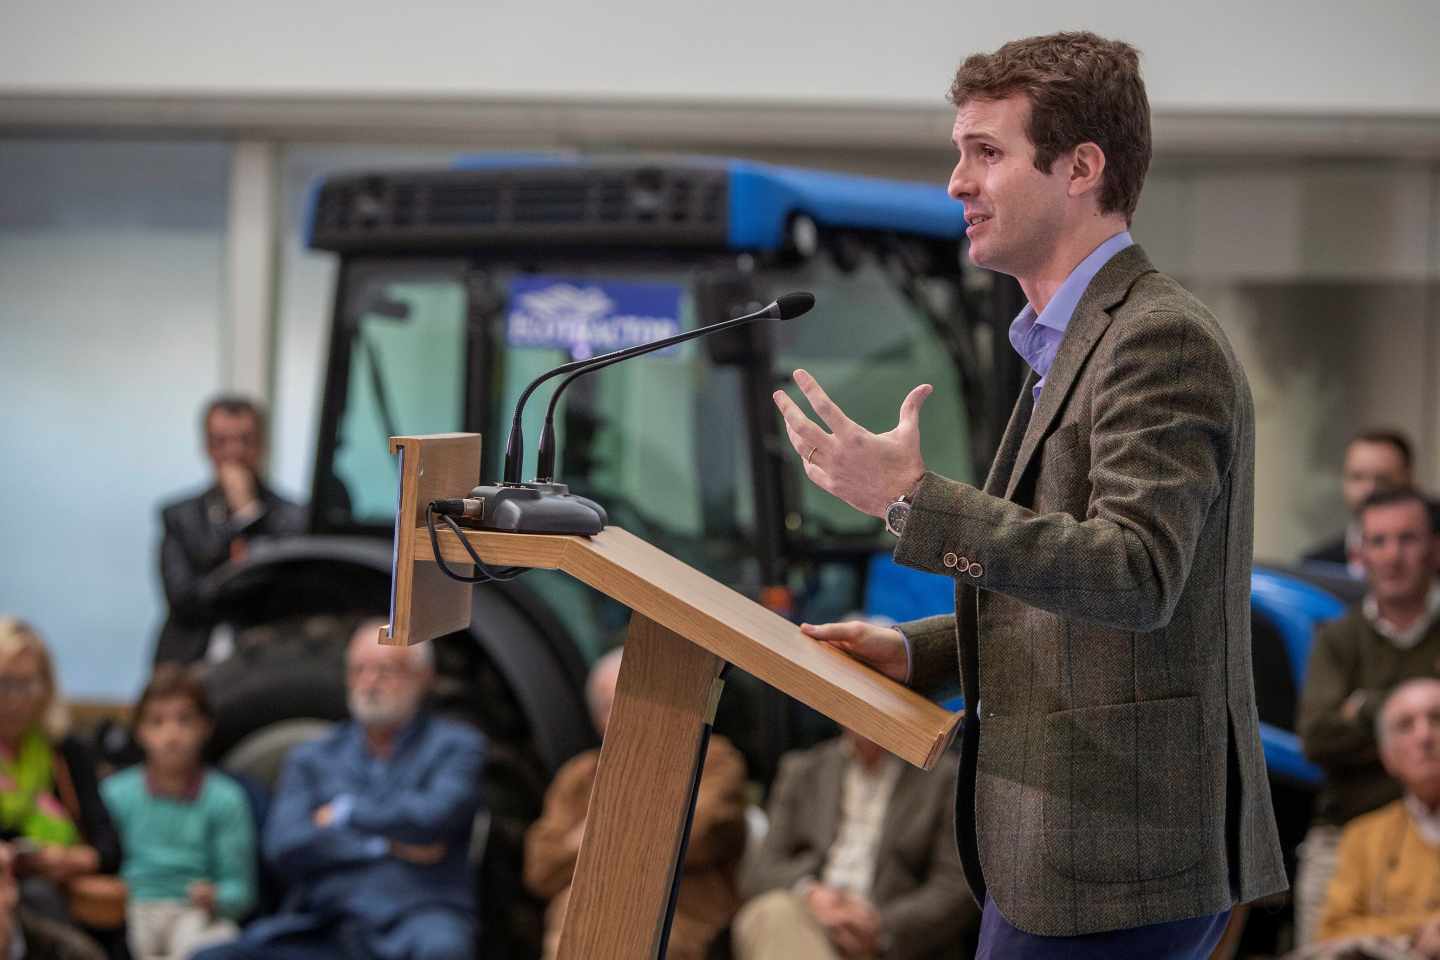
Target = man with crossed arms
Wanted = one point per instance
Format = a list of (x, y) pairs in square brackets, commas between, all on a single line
[(1112, 795)]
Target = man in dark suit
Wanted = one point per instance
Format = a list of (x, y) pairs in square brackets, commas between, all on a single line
[(1113, 795), (859, 861), (1374, 460), (370, 826), (206, 530)]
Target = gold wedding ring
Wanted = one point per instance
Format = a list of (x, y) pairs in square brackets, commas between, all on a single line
[(810, 457)]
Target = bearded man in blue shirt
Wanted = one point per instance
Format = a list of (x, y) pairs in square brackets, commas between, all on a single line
[(370, 826)]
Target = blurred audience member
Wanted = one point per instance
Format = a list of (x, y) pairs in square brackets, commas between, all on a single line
[(204, 531), (859, 861), (370, 826), (50, 806), (1391, 636), (1384, 900), (25, 935), (1374, 460), (187, 833), (708, 895)]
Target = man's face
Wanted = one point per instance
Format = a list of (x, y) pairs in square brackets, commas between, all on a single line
[(233, 438), (385, 684), (1396, 550), (1020, 211), (172, 732), (1370, 467), (1411, 747)]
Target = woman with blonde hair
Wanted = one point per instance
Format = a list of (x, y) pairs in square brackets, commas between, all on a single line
[(50, 806)]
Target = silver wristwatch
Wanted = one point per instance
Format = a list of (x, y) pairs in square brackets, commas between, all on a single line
[(896, 514)]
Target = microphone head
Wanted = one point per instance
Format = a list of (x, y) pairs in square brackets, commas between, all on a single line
[(791, 305)]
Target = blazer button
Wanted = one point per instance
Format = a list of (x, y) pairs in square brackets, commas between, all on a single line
[(963, 565), (976, 570), (951, 560)]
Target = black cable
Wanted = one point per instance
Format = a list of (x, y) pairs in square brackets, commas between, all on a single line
[(488, 574)]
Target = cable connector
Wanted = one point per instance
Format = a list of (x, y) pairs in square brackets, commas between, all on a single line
[(473, 507)]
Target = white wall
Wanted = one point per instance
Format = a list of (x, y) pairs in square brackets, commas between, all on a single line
[(111, 270), (1228, 55)]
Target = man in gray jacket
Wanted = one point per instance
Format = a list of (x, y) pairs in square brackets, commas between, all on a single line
[(859, 861), (1112, 793)]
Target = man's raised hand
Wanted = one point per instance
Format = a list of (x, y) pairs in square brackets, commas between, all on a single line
[(866, 470)]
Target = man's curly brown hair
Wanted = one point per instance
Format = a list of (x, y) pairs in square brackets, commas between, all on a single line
[(1082, 88)]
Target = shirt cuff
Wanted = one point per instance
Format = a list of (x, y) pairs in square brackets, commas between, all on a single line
[(341, 809), (909, 656)]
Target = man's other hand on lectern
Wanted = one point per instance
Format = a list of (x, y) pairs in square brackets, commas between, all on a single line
[(882, 648)]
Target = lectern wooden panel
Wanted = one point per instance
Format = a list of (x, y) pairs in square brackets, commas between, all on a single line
[(685, 628), (424, 603)]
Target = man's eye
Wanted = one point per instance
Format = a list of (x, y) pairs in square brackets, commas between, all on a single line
[(989, 153)]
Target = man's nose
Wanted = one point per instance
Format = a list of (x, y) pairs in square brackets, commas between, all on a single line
[(962, 184)]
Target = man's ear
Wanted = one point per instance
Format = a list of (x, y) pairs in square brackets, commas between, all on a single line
[(1087, 169)]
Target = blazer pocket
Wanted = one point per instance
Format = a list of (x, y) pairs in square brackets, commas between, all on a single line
[(1120, 791)]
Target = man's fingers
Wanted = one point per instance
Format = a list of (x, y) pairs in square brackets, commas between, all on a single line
[(844, 631), (825, 408), (804, 433), (910, 408)]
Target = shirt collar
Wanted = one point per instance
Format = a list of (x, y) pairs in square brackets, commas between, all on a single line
[(1404, 639), (1427, 821), (1037, 337), (189, 794)]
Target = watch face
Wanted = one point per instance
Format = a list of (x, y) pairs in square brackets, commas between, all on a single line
[(895, 517)]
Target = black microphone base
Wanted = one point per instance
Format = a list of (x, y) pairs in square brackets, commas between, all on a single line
[(538, 508)]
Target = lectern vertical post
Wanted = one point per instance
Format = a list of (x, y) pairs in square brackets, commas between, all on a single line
[(664, 701)]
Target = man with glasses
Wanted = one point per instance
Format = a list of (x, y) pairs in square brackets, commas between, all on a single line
[(204, 531), (370, 827)]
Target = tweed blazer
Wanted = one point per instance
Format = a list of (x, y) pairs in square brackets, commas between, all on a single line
[(1111, 774)]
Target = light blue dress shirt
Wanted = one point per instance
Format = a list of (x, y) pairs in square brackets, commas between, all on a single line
[(1037, 337)]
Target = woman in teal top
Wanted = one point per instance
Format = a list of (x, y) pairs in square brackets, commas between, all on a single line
[(187, 832)]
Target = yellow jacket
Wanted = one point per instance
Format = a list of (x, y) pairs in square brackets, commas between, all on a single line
[(1387, 879)]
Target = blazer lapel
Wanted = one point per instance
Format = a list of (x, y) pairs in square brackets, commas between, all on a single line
[(830, 782), (1092, 317), (1003, 465)]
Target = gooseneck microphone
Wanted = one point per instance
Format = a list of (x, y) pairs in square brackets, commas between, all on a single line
[(782, 308), (548, 507), (785, 307)]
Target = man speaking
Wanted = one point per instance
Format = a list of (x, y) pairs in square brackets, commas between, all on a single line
[(1111, 763)]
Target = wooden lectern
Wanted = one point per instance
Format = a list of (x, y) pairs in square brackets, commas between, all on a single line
[(684, 630)]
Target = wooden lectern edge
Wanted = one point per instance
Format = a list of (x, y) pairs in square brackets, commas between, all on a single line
[(424, 604), (921, 744)]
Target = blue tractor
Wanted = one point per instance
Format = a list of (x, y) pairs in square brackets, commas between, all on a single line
[(456, 286)]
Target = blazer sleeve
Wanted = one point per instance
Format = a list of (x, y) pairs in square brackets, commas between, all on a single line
[(95, 824), (436, 810), (934, 658), (551, 842), (786, 855), (1166, 399), (1327, 736), (717, 834), (180, 573)]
